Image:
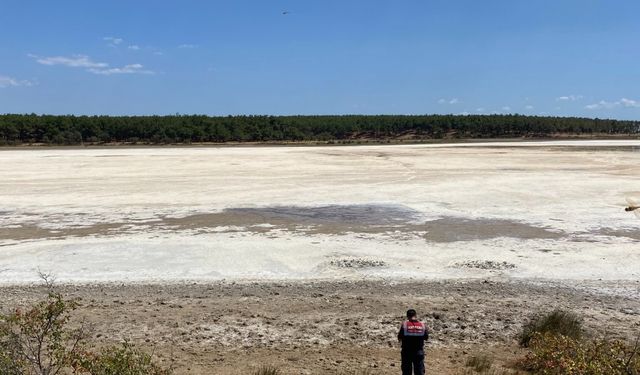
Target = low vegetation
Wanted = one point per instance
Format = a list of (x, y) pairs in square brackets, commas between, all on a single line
[(557, 322), (558, 354), (483, 364), (558, 345), (43, 340), (125, 359)]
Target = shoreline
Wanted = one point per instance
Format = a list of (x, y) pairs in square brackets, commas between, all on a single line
[(333, 143), (623, 288)]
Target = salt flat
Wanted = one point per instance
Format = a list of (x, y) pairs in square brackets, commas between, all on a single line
[(543, 210)]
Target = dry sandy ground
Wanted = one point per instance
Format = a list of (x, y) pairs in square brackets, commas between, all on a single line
[(334, 327)]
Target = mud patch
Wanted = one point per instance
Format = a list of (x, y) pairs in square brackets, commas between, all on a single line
[(31, 231), (369, 219), (451, 229), (373, 215), (401, 221), (330, 219)]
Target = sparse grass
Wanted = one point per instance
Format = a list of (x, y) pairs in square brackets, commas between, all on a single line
[(125, 359), (557, 322), (479, 363), (267, 370)]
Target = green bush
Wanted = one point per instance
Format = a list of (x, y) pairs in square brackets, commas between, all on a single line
[(38, 340), (41, 340), (557, 322), (558, 354)]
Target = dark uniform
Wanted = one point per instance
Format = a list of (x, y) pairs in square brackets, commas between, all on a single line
[(412, 334)]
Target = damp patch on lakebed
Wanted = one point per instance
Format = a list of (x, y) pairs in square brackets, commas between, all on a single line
[(367, 219), (452, 229), (363, 219)]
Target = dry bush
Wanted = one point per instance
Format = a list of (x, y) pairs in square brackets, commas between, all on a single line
[(558, 322)]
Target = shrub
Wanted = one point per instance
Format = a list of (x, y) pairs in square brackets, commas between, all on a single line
[(41, 341), (558, 322), (38, 340), (559, 354)]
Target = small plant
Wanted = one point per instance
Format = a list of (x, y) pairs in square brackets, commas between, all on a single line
[(558, 322), (38, 340), (267, 370), (479, 363)]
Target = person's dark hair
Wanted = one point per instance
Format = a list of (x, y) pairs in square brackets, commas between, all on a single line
[(411, 313)]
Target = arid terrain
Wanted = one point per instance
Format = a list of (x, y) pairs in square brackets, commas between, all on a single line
[(307, 257), (334, 327), (549, 210)]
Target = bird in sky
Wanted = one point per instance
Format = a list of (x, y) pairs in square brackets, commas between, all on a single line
[(284, 13)]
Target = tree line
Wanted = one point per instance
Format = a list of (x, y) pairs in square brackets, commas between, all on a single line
[(18, 129)]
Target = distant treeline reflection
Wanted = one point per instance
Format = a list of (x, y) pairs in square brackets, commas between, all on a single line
[(73, 130)]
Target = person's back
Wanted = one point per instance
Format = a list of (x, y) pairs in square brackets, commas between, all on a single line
[(412, 335)]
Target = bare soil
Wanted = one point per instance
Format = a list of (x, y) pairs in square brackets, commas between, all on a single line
[(330, 327)]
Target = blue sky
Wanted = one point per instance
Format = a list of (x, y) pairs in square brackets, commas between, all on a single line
[(543, 57)]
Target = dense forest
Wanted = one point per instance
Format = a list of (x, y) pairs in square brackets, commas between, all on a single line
[(74, 130)]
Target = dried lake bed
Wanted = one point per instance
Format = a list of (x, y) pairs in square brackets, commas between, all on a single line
[(534, 210)]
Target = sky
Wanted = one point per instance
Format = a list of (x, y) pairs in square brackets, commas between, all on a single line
[(287, 57)]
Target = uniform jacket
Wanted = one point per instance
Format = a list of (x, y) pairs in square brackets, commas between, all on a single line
[(413, 334)]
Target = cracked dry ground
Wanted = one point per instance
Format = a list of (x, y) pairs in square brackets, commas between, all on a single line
[(331, 327)]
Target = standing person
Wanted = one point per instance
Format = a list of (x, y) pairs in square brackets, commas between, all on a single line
[(412, 335)]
